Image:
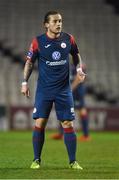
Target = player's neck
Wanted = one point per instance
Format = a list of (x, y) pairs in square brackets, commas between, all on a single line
[(52, 35)]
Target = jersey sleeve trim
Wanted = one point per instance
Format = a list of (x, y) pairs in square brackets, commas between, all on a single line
[(72, 40), (74, 48), (33, 50)]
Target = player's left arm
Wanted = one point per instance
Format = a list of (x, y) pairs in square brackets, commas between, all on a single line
[(77, 61), (77, 80)]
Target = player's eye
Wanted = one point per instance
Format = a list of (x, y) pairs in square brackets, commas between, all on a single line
[(55, 21)]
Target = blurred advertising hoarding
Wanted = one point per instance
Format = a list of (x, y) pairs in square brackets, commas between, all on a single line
[(99, 119), (4, 123), (104, 118)]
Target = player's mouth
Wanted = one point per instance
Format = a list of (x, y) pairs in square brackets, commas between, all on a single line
[(58, 28)]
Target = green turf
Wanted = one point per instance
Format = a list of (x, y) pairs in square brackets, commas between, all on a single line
[(99, 158)]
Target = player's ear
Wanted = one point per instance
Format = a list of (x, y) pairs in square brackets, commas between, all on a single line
[(46, 25)]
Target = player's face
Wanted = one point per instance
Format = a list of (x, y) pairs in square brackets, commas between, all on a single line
[(55, 24)]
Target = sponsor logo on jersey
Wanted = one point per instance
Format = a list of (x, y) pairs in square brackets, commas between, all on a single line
[(48, 45), (56, 55), (63, 45), (56, 63)]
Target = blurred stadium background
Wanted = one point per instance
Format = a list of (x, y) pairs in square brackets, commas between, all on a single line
[(94, 23)]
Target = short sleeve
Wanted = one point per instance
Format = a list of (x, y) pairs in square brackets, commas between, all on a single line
[(74, 49), (33, 50)]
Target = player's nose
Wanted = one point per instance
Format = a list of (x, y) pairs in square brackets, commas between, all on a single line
[(59, 23)]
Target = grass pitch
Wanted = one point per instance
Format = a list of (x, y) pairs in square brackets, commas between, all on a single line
[(99, 157)]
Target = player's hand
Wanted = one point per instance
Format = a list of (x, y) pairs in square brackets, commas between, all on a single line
[(25, 90), (80, 75), (77, 80)]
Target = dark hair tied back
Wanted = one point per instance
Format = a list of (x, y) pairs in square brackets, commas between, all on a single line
[(46, 18)]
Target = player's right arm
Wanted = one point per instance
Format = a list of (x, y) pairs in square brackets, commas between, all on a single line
[(30, 60)]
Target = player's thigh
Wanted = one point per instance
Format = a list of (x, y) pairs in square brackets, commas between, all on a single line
[(42, 108), (65, 107)]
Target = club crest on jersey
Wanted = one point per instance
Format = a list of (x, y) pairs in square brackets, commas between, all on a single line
[(56, 55), (63, 45)]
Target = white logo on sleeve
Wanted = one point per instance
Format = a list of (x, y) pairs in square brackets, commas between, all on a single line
[(63, 45), (34, 110), (56, 55)]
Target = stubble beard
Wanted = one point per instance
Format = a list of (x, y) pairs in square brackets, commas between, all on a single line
[(55, 33)]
